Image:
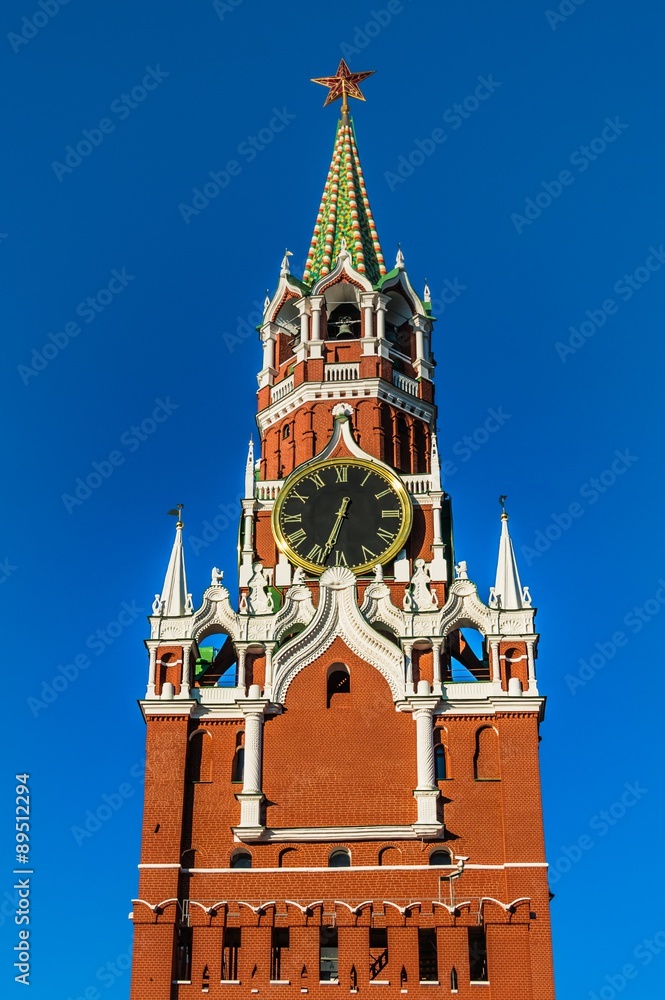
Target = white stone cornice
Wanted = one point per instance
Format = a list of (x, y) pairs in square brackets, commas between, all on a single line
[(166, 707), (367, 388), (314, 834)]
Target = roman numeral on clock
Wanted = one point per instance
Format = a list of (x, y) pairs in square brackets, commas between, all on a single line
[(385, 535), (340, 559), (296, 537), (291, 517), (316, 479), (342, 473), (383, 493), (296, 494), (315, 553), (368, 555), (389, 513)]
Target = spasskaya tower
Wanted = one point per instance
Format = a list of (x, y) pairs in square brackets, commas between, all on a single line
[(344, 796)]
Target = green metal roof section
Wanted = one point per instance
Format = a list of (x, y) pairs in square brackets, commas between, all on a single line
[(345, 213)]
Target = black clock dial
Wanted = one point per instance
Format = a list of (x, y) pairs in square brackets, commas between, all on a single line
[(342, 512)]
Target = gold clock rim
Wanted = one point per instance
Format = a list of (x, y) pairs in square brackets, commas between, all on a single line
[(388, 474)]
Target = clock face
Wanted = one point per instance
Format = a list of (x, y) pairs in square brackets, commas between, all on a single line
[(342, 512)]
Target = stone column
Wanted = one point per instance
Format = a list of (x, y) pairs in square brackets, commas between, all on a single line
[(250, 827), (427, 792), (496, 662), (408, 665), (531, 662), (152, 670), (425, 748), (437, 686)]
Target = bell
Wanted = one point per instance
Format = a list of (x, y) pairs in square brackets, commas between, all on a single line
[(344, 327)]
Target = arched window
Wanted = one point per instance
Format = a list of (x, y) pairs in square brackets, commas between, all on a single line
[(339, 859), (344, 322), (199, 756), (241, 859), (286, 431), (486, 757), (338, 683), (288, 858), (440, 769), (439, 858), (238, 767), (390, 856)]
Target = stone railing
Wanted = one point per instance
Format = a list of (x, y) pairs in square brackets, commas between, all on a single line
[(418, 484), (340, 372), (281, 390), (405, 383)]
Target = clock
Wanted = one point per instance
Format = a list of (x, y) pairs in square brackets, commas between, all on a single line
[(342, 512)]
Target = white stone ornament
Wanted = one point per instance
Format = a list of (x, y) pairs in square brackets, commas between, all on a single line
[(157, 605), (418, 596), (260, 600), (461, 570), (217, 577)]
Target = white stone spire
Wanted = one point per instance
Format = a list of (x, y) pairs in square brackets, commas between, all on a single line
[(175, 600), (435, 465), (249, 471), (507, 592)]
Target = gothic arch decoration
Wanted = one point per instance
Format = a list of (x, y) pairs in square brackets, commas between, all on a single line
[(464, 608), (338, 616), (343, 269), (486, 759), (298, 609), (215, 615)]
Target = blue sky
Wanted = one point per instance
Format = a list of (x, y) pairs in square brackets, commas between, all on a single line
[(538, 222)]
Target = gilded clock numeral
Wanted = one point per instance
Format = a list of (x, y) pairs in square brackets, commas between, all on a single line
[(296, 537), (342, 473), (368, 555), (315, 553), (366, 477), (384, 493), (389, 513), (292, 517), (295, 493), (385, 535), (340, 559), (317, 480)]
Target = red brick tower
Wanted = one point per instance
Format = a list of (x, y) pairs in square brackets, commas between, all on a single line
[(345, 798)]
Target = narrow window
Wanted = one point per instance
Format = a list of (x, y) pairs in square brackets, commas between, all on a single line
[(427, 956), (286, 431), (453, 980), (477, 955), (328, 954), (238, 770), (486, 758), (183, 955), (339, 859), (241, 860), (280, 945), (440, 858), (230, 952), (440, 762), (378, 951), (339, 683)]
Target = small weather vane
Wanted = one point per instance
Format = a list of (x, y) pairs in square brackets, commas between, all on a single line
[(177, 512), (502, 501)]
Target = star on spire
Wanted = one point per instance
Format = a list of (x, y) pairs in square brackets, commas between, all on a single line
[(344, 84)]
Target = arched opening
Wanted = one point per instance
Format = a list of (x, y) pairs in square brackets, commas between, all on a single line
[(344, 322), (241, 859), (288, 338), (339, 859), (169, 670), (403, 456), (199, 756), (468, 651), (238, 766), (216, 664), (440, 765), (390, 856), (288, 858), (440, 857), (486, 758), (338, 685)]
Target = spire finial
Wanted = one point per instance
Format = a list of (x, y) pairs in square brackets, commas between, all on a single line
[(502, 501), (177, 512), (399, 260), (344, 84), (249, 471), (427, 295), (286, 267)]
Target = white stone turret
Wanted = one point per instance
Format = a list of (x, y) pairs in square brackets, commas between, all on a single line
[(174, 600), (507, 594)]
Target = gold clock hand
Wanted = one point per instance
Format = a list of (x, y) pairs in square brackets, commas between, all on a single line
[(334, 534)]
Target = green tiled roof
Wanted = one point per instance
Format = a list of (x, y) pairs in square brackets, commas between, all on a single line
[(345, 213)]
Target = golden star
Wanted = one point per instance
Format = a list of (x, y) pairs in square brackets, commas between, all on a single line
[(344, 84)]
